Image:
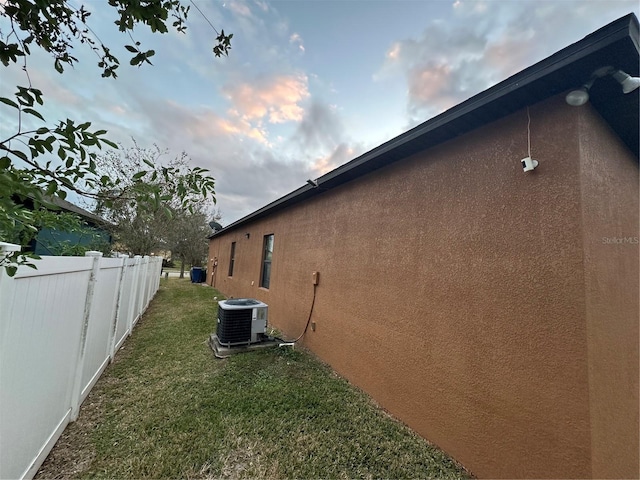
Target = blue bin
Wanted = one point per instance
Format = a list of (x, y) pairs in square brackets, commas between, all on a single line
[(196, 275)]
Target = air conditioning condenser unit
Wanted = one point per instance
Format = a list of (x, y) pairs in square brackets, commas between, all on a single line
[(241, 321)]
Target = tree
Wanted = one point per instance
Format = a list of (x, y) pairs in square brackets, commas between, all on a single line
[(174, 190), (29, 168), (187, 237)]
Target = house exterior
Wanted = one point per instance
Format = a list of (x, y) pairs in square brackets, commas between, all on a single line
[(494, 311), (50, 241)]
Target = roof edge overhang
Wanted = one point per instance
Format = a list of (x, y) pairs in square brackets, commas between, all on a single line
[(616, 44)]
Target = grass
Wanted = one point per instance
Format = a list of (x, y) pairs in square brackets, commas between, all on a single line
[(166, 408)]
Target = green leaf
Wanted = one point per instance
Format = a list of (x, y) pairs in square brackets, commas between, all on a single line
[(131, 48), (137, 60), (5, 162), (11, 270), (9, 102), (33, 112), (20, 155)]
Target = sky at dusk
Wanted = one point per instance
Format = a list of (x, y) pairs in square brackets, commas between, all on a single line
[(308, 85)]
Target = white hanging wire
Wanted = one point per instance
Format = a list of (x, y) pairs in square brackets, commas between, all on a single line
[(528, 132)]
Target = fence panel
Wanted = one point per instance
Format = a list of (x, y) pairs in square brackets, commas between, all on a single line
[(40, 346), (124, 314), (103, 310), (59, 325)]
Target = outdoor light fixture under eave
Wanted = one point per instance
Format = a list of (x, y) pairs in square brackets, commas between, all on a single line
[(629, 83), (578, 97)]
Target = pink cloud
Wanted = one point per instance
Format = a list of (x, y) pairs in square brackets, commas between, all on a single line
[(337, 157), (204, 124), (239, 8), (433, 86), (429, 83), (394, 52), (276, 99)]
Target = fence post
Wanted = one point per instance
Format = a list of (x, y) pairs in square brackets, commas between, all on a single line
[(5, 249), (145, 284), (133, 314), (116, 313), (77, 383)]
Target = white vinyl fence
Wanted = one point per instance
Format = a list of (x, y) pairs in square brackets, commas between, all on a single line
[(60, 325)]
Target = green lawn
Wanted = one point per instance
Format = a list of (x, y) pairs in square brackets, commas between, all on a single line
[(166, 408)]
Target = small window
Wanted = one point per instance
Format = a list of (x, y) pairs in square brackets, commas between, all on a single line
[(267, 253), (232, 259)]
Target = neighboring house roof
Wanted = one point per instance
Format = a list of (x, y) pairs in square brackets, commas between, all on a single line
[(616, 45), (70, 207)]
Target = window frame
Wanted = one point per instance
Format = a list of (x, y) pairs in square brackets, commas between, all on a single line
[(267, 260), (232, 258)]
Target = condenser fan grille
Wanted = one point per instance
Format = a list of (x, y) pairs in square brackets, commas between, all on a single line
[(234, 326)]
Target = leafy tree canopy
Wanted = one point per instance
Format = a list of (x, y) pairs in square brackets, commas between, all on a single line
[(142, 226), (60, 157)]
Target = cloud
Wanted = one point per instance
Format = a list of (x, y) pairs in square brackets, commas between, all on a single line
[(262, 5), (248, 173), (340, 155), (239, 8), (485, 43), (320, 128), (296, 39), (440, 67), (275, 99), (322, 137)]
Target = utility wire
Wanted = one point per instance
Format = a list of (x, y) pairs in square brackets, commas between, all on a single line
[(205, 17)]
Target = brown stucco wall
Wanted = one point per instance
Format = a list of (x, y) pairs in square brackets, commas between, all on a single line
[(453, 291), (609, 186)]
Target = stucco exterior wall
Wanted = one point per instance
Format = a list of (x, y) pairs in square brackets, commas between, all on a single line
[(609, 186), (453, 291)]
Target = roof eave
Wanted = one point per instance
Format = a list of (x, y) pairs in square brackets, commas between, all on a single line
[(566, 69)]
